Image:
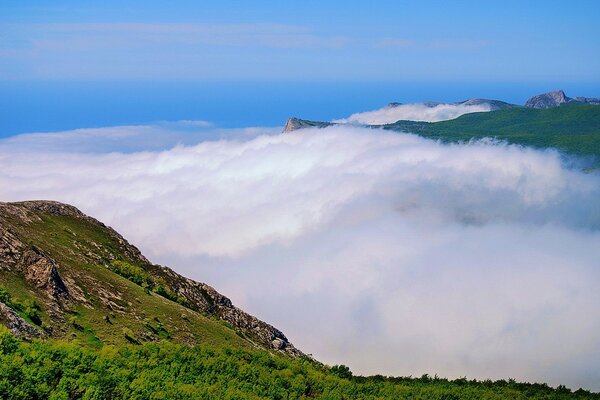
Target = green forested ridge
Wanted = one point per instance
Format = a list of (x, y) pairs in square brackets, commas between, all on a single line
[(68, 370), (574, 129)]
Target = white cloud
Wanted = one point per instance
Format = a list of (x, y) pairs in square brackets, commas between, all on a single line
[(387, 252), (127, 138), (413, 112)]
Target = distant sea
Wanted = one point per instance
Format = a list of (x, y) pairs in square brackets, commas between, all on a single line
[(54, 106)]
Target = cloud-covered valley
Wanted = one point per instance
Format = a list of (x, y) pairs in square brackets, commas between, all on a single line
[(387, 252)]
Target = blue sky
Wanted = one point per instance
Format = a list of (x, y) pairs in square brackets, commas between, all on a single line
[(73, 64), (300, 41)]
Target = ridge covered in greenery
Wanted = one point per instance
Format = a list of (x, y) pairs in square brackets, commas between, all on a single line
[(574, 129)]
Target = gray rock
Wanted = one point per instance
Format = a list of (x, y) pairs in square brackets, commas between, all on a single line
[(588, 100), (548, 100), (17, 325), (293, 124)]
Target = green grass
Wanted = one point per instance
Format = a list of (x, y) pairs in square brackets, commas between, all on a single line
[(574, 129), (110, 274)]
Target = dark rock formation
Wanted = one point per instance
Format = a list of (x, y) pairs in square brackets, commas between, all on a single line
[(17, 324), (41, 271)]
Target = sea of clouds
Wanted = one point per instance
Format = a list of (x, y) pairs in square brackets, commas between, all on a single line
[(386, 252), (413, 112)]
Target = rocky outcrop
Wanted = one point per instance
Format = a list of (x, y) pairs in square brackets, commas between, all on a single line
[(17, 325), (558, 98), (10, 249), (204, 298), (294, 124), (548, 100), (42, 272)]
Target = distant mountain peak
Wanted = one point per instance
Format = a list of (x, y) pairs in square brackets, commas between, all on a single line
[(293, 124), (557, 98), (548, 100)]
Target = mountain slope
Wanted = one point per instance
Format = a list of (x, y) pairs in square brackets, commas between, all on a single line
[(557, 98), (66, 275), (574, 129)]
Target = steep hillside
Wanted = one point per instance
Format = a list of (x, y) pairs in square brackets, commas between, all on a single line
[(66, 275)]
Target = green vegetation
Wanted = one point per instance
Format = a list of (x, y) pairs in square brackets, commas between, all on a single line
[(140, 277), (117, 290), (574, 129), (29, 309), (61, 370)]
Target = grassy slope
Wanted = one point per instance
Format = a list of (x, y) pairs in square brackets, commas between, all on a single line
[(574, 129), (67, 240)]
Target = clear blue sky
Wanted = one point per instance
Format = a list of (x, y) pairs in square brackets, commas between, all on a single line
[(71, 64), (300, 40)]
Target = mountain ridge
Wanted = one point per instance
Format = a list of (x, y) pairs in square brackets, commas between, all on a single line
[(551, 99), (558, 98), (74, 267)]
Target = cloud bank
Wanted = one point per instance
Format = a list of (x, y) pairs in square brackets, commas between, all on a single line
[(387, 252), (413, 112)]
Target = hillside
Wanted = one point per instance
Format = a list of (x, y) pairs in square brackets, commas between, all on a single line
[(86, 315), (66, 275), (574, 129)]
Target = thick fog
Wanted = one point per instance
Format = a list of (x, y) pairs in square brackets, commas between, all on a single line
[(386, 252)]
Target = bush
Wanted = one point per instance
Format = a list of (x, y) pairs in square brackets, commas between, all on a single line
[(8, 343)]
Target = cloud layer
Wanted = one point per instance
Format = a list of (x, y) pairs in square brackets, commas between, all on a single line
[(413, 112), (386, 252)]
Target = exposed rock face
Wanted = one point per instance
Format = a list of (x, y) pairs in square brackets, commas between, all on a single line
[(548, 100), (10, 249), (558, 98), (206, 299), (17, 325), (42, 272), (294, 124)]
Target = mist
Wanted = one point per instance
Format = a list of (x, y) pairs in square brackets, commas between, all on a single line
[(387, 252), (413, 112)]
